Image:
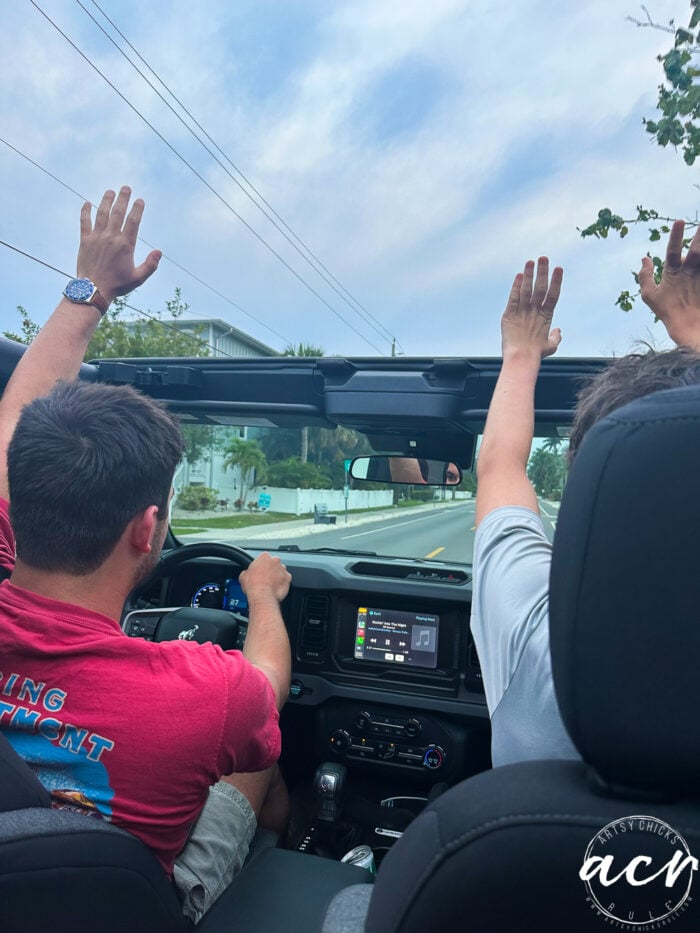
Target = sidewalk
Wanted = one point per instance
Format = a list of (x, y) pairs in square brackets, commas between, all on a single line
[(297, 529)]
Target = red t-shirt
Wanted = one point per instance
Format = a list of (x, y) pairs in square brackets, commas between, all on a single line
[(129, 730)]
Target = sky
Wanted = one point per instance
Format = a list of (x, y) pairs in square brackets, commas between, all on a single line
[(421, 151)]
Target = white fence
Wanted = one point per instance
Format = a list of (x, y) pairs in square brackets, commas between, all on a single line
[(302, 501)]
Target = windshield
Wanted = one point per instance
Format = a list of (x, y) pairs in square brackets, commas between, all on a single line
[(282, 488)]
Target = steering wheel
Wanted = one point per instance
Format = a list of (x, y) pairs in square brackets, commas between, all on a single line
[(194, 623), (180, 555)]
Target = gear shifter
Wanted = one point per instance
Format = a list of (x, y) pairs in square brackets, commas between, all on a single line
[(329, 791)]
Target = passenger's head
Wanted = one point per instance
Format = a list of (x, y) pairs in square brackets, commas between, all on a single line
[(628, 378), (83, 462)]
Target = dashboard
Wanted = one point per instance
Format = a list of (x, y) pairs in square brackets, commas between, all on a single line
[(384, 672)]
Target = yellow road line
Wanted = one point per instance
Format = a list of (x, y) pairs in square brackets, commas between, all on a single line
[(436, 551)]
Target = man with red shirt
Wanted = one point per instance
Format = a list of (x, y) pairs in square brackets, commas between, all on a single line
[(169, 740)]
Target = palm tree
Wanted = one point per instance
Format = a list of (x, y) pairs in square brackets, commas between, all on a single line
[(552, 444), (250, 460), (303, 349)]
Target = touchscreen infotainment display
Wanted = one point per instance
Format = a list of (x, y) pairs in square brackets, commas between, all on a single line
[(397, 637)]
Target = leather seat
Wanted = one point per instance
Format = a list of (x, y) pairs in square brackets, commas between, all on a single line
[(69, 873), (503, 851), (66, 872)]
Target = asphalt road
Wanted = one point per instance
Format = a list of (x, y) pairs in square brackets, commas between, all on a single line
[(440, 534), (443, 534)]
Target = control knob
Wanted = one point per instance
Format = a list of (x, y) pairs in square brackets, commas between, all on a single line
[(413, 728), (434, 757), (340, 741), (363, 720)]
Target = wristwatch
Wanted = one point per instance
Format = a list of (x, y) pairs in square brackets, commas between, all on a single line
[(85, 292)]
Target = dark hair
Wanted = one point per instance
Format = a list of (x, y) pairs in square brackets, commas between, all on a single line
[(82, 463), (628, 378)]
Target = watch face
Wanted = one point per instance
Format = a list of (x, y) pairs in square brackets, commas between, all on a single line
[(79, 290)]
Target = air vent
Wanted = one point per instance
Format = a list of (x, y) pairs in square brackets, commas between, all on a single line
[(423, 574), (314, 628)]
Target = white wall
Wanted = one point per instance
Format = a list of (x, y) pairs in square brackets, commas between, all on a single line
[(302, 501)]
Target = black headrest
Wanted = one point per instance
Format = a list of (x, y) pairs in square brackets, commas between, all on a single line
[(625, 595)]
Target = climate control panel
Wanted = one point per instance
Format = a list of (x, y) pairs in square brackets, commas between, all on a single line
[(386, 736)]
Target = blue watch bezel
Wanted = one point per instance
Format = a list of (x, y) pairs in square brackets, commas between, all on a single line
[(80, 290)]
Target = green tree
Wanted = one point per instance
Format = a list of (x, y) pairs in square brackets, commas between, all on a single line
[(302, 349), (553, 444), (28, 329), (115, 337), (329, 449), (293, 474), (547, 473), (203, 440), (281, 443), (677, 125), (151, 336), (250, 460)]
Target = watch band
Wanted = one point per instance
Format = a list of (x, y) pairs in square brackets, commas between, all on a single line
[(99, 301)]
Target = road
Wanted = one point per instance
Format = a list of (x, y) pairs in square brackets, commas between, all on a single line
[(443, 534)]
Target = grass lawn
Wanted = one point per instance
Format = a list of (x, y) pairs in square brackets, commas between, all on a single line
[(250, 519), (237, 520)]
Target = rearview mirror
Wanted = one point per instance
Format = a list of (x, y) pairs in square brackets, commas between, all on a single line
[(414, 470)]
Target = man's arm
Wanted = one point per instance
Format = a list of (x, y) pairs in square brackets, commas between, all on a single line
[(526, 340), (676, 299), (266, 583), (106, 257)]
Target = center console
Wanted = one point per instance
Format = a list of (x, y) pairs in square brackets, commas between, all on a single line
[(392, 740), (406, 661)]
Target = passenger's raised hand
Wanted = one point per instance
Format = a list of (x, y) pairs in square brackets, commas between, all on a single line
[(676, 299), (525, 325), (106, 254)]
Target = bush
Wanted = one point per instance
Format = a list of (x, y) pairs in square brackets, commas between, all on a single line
[(197, 498), (423, 493), (293, 474)]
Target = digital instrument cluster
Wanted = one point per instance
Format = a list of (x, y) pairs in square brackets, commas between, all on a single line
[(228, 595)]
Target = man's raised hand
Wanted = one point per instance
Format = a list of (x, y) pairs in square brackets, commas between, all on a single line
[(106, 254), (676, 299), (525, 325)]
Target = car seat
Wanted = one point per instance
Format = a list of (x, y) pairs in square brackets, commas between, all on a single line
[(505, 850)]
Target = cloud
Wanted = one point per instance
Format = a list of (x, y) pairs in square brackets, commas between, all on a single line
[(422, 152)]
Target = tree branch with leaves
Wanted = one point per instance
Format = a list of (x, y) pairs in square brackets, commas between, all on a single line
[(677, 125)]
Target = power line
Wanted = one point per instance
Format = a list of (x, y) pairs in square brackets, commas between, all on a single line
[(151, 317), (220, 197), (283, 227), (150, 246)]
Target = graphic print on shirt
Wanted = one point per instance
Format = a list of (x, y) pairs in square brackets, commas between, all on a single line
[(67, 759)]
